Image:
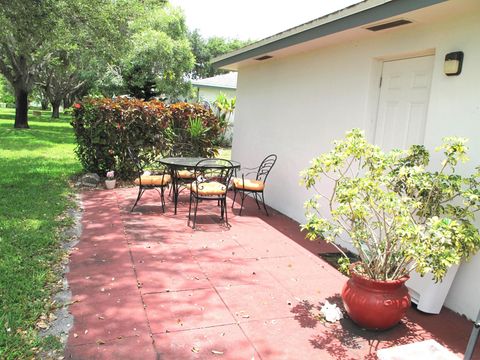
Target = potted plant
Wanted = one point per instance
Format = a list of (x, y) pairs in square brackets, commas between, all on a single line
[(396, 215), (110, 181)]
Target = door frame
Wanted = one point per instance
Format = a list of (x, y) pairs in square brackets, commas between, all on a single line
[(374, 91)]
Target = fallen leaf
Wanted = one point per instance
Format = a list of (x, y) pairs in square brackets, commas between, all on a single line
[(216, 352), (42, 324)]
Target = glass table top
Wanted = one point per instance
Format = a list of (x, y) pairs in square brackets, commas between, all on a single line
[(191, 162)]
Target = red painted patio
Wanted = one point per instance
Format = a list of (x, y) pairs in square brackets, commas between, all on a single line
[(146, 286)]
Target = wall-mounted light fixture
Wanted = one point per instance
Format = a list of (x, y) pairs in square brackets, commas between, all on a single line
[(453, 63)]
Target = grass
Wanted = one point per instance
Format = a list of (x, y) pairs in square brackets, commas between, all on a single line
[(35, 166)]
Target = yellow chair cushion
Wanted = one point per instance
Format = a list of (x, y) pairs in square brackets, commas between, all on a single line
[(153, 180), (247, 184), (185, 174), (209, 188)]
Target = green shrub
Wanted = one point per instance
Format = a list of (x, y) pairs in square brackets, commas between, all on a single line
[(105, 128), (192, 130)]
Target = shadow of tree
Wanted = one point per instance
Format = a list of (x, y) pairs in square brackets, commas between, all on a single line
[(340, 339)]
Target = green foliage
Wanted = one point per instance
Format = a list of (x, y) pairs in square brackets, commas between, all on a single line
[(34, 193), (224, 107), (397, 214), (205, 50), (85, 42), (58, 43), (105, 128), (159, 55), (6, 94)]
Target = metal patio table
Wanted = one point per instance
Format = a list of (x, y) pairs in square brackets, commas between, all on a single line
[(185, 163)]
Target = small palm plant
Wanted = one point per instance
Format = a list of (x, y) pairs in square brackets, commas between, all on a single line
[(398, 215)]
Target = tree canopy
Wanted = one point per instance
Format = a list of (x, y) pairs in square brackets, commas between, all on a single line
[(65, 49), (207, 49)]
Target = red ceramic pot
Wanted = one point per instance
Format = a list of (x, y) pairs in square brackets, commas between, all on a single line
[(375, 304)]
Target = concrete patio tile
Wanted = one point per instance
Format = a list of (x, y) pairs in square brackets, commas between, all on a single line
[(296, 267), (126, 348), (256, 286), (287, 339), (257, 302), (231, 272), (170, 276), (161, 267), (184, 310), (314, 290), (101, 258), (153, 252), (217, 248), (264, 242), (85, 285), (305, 280), (219, 342), (107, 320)]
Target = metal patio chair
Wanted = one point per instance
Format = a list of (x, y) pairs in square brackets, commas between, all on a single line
[(147, 181), (212, 178), (256, 186)]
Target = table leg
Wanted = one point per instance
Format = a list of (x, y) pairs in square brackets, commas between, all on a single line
[(175, 190)]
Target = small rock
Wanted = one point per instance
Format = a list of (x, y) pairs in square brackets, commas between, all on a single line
[(90, 179)]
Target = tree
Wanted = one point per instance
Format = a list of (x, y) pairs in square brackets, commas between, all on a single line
[(160, 54), (206, 50), (86, 41), (25, 27), (41, 38)]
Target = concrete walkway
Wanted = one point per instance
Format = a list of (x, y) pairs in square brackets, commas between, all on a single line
[(146, 286)]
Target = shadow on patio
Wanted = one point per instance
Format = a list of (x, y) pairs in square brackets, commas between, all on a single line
[(146, 286)]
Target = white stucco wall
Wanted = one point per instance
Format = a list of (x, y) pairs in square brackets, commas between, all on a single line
[(297, 105)]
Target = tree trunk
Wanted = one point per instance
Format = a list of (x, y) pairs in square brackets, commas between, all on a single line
[(21, 111), (44, 103), (56, 109), (67, 102)]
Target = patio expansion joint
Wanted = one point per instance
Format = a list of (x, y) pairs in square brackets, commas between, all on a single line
[(107, 340), (234, 317), (195, 328), (175, 291), (122, 216)]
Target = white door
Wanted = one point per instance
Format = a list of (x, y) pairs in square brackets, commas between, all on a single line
[(403, 103)]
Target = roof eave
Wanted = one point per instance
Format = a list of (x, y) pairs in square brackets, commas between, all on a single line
[(342, 23)]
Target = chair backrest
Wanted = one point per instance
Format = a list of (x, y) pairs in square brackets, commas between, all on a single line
[(219, 170), (265, 167), (133, 155)]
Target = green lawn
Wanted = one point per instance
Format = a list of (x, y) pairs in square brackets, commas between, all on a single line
[(35, 165)]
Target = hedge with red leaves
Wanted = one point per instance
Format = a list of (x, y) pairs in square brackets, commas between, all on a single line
[(105, 128)]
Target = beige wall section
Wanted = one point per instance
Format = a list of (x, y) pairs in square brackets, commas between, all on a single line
[(210, 93), (296, 106)]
